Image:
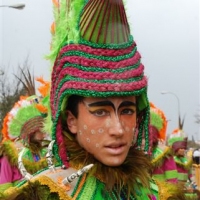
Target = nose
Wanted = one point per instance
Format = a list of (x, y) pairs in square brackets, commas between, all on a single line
[(115, 127)]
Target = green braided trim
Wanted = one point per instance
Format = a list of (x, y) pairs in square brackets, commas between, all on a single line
[(103, 46), (70, 78), (143, 126), (105, 58), (95, 69), (89, 93)]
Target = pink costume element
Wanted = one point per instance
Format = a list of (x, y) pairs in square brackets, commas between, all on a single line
[(8, 173), (164, 166)]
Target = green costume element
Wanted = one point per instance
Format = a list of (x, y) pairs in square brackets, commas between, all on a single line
[(31, 165), (95, 184), (178, 141), (159, 122), (164, 165), (29, 156), (95, 55), (26, 120), (184, 167), (9, 149), (10, 175)]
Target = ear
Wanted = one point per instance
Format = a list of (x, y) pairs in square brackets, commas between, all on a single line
[(71, 122)]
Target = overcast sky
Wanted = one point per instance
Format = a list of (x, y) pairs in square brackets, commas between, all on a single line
[(167, 35)]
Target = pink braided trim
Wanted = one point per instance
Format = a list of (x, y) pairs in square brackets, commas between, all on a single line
[(90, 62), (101, 75), (60, 142), (86, 62), (104, 87), (95, 51)]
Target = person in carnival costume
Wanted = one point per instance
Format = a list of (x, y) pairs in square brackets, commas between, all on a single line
[(164, 166), (27, 123), (9, 149), (178, 142), (98, 101), (11, 145), (196, 168)]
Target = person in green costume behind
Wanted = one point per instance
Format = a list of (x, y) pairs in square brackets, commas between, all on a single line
[(178, 142), (99, 110)]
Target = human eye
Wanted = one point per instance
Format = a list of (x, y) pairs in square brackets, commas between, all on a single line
[(100, 112), (127, 111)]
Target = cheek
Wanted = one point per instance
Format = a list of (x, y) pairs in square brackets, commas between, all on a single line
[(89, 133), (129, 123)]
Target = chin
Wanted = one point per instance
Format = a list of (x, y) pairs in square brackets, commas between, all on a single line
[(115, 162)]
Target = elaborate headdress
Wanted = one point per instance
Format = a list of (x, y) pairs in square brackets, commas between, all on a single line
[(26, 117), (178, 140), (95, 56), (158, 123)]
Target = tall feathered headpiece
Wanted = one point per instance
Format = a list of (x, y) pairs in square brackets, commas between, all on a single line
[(94, 55)]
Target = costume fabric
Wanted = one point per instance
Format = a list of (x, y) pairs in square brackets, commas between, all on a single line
[(184, 168), (29, 155), (9, 175), (94, 55), (164, 165)]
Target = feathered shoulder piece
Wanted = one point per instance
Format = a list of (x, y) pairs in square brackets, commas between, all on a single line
[(184, 162), (10, 150), (170, 191), (159, 155)]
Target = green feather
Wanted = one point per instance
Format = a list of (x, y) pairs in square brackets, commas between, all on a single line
[(156, 120), (66, 21), (23, 115), (172, 140)]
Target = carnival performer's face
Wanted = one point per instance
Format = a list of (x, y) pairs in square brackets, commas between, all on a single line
[(181, 152), (38, 137), (105, 127)]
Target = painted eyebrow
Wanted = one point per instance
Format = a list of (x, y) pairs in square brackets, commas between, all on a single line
[(108, 103), (127, 103), (102, 103)]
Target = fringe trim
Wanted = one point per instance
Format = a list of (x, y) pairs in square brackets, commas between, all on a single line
[(186, 165), (169, 191), (53, 187), (10, 151), (158, 161)]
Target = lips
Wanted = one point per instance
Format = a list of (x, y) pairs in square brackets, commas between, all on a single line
[(115, 149)]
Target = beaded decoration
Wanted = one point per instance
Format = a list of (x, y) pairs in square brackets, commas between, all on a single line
[(94, 55)]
